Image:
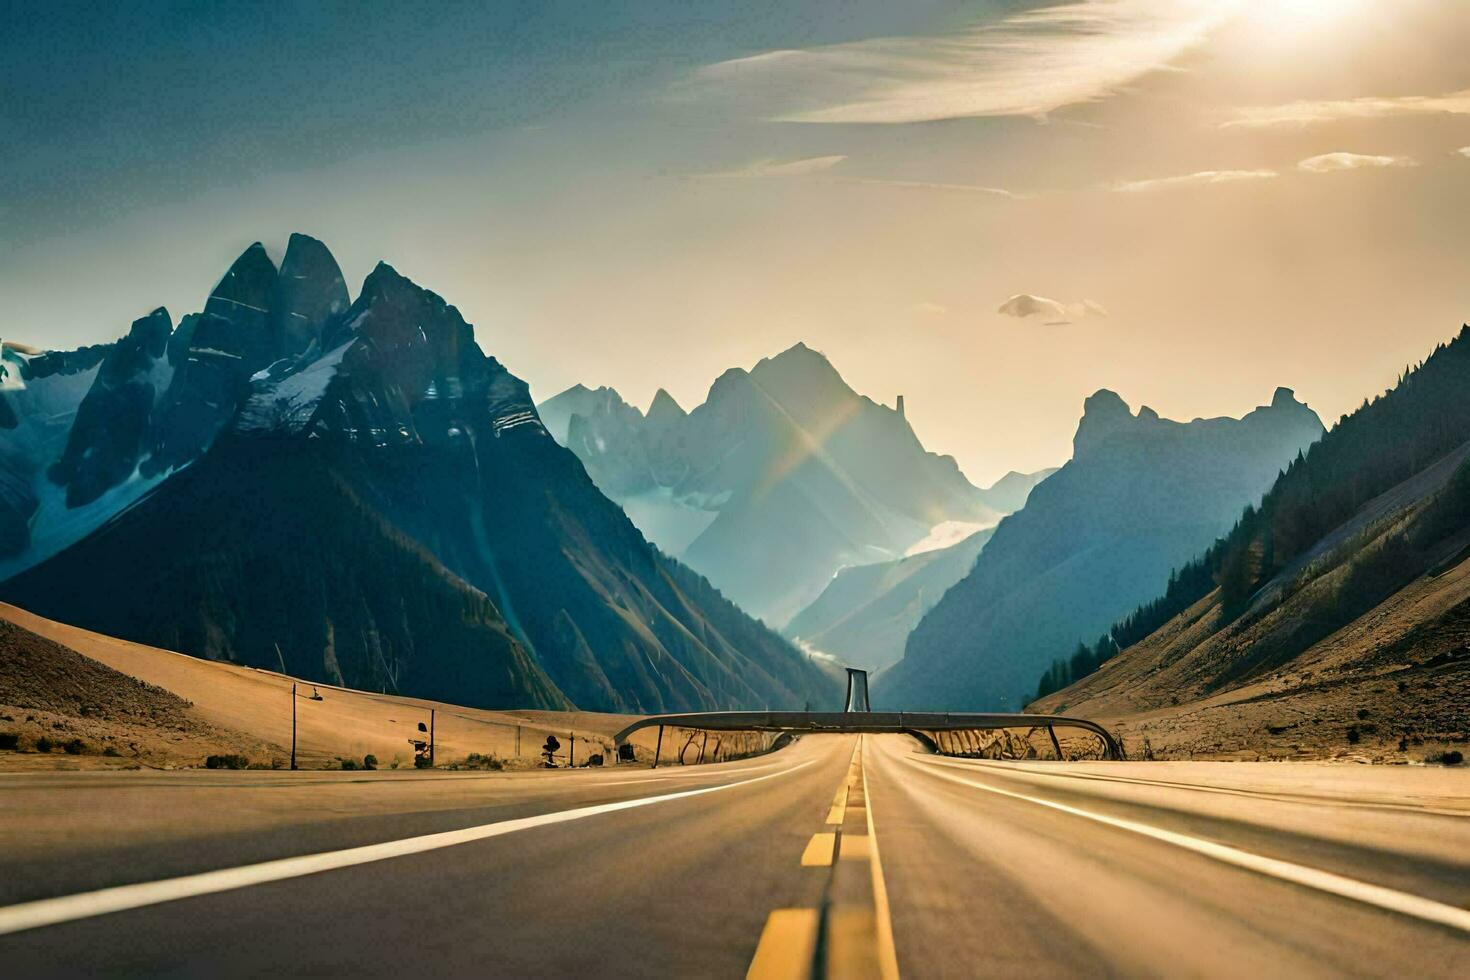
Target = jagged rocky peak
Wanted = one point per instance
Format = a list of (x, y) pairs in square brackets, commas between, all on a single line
[(798, 367), (228, 343), (403, 322), (1103, 414), (111, 429), (233, 325), (1285, 398), (308, 293), (665, 408)]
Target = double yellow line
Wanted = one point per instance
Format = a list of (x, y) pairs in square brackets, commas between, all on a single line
[(850, 932)]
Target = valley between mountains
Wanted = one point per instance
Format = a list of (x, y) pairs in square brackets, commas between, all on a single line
[(351, 490)]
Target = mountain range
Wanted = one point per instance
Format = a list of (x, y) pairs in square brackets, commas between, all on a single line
[(1334, 614), (783, 476), (1140, 496), (352, 491)]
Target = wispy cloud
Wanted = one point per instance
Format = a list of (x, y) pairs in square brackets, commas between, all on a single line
[(821, 167), (932, 185), (1194, 179), (1023, 306), (931, 309), (1308, 112), (770, 167), (1464, 151), (1026, 64), (1330, 162)]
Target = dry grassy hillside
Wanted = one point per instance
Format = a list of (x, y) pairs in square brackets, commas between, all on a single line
[(1392, 685), (246, 711)]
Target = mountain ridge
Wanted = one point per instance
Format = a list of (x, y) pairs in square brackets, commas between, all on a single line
[(782, 476), (388, 409), (1140, 496)]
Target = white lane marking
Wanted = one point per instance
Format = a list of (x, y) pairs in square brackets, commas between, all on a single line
[(67, 908), (687, 774), (1344, 887), (1020, 770)]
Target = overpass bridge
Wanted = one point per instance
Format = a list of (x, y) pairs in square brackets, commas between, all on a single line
[(856, 718)]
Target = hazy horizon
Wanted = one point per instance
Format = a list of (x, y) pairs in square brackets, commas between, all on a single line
[(645, 198)]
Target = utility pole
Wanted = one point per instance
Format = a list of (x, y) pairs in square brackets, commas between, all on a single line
[(658, 746), (571, 750), (431, 738), (293, 727), (518, 741)]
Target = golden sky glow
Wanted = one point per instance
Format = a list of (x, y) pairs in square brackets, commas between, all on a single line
[(1255, 193)]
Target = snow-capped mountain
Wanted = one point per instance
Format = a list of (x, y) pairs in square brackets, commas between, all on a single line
[(357, 493)]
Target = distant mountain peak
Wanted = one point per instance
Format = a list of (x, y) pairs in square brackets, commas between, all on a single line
[(797, 353), (1103, 414), (1105, 403), (1284, 398), (664, 406)]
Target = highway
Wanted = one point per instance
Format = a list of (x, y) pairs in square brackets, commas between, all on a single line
[(840, 855)]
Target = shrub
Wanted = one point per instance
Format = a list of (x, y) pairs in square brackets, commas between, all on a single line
[(227, 761), (1352, 735), (1451, 758), (75, 747), (349, 764), (9, 740), (370, 761), (111, 752), (44, 744)]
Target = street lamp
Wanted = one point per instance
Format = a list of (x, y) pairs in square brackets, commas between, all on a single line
[(315, 696)]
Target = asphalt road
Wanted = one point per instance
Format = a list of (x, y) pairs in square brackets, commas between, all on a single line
[(853, 857)]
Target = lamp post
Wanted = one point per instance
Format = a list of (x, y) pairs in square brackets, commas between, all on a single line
[(315, 696)]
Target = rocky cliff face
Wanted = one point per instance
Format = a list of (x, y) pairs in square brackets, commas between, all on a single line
[(1141, 496), (370, 499), (84, 433), (781, 477), (110, 433)]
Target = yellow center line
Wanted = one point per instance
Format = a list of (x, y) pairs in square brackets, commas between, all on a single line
[(856, 938), (818, 853), (839, 807), (787, 946)]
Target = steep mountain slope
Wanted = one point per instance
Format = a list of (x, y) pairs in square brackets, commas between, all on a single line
[(1140, 496), (383, 509), (866, 613), (1341, 605), (781, 477)]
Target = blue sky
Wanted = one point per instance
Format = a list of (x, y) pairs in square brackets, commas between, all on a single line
[(1211, 197)]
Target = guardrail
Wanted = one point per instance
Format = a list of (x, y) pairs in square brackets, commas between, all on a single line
[(870, 722)]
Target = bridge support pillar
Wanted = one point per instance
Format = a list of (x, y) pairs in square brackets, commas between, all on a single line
[(1054, 743)]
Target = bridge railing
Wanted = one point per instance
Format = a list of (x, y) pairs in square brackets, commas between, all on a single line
[(872, 722)]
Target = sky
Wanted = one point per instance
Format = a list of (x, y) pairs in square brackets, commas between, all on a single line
[(991, 208)]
